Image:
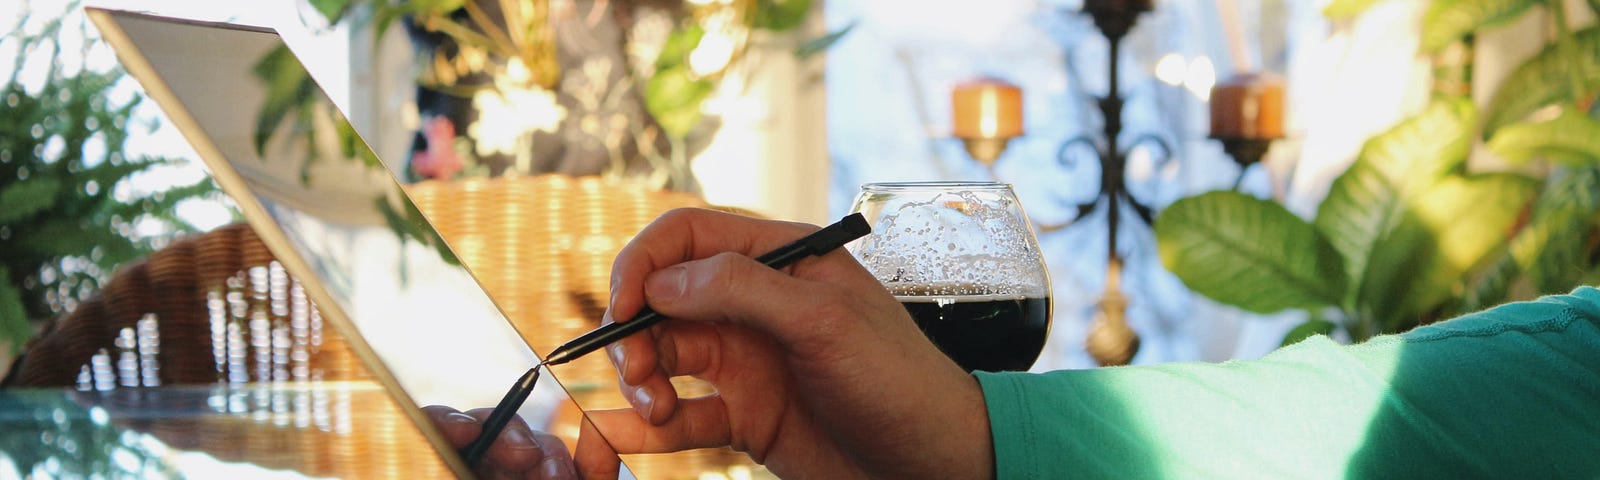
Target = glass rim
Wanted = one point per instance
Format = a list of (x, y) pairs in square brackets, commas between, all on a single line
[(936, 185)]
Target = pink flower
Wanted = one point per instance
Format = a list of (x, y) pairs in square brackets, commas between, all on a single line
[(440, 161)]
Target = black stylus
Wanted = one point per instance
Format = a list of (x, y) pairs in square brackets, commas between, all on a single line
[(500, 416), (823, 241), (828, 239)]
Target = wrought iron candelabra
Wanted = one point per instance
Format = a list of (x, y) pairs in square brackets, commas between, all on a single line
[(1110, 340)]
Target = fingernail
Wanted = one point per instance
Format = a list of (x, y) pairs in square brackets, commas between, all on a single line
[(614, 282), (619, 359), (667, 284), (519, 440), (644, 402), (460, 418), (556, 468)]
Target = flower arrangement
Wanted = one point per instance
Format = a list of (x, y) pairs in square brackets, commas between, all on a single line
[(541, 86)]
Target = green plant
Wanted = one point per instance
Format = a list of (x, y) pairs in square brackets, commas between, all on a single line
[(66, 216), (495, 51), (1407, 234)]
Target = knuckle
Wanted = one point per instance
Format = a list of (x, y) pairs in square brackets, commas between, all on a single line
[(719, 274), (680, 214), (667, 353)]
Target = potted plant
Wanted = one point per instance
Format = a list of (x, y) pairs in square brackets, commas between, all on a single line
[(67, 215), (1408, 234)]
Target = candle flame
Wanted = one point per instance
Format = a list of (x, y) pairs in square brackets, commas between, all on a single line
[(989, 118)]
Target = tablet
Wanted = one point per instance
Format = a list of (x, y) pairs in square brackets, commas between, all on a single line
[(335, 217)]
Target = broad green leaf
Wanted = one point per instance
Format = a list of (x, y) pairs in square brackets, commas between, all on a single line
[(1366, 202), (823, 43), (1441, 234), (1473, 214), (1561, 263), (14, 326), (1311, 328), (1346, 9), (351, 145), (1248, 252), (1491, 287), (25, 198), (1594, 6), (780, 15), (1569, 138), (674, 99), (289, 89), (679, 43), (333, 10), (1591, 278), (1551, 251), (1448, 20), (1542, 81)]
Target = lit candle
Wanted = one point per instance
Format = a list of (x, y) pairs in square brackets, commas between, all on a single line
[(1248, 106), (987, 108)]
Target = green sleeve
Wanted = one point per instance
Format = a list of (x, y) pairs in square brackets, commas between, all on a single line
[(1511, 392)]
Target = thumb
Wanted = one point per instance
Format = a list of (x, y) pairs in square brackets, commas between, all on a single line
[(733, 288)]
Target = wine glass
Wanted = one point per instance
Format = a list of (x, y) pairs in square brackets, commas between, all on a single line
[(964, 261)]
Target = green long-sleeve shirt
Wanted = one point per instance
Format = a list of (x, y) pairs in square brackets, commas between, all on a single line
[(1511, 392)]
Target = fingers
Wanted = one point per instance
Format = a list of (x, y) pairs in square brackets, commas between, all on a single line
[(519, 452), (701, 235), (683, 348), (458, 428), (655, 399), (735, 288), (699, 423), (633, 356), (688, 234), (595, 458)]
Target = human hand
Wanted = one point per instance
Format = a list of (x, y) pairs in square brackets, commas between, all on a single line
[(519, 453), (819, 372)]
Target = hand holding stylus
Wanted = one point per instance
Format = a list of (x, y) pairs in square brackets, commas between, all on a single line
[(518, 452), (819, 371), (813, 365), (820, 242)]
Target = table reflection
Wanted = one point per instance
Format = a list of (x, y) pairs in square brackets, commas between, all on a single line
[(283, 430)]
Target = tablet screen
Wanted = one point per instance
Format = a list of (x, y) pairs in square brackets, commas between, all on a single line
[(333, 214)]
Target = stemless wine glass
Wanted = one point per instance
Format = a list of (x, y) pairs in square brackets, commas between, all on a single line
[(963, 260)]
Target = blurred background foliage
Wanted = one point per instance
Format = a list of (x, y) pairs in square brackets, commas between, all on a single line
[(68, 212), (1409, 234), (489, 53)]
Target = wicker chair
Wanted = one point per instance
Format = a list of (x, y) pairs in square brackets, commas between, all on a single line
[(203, 310), (541, 246), (216, 309)]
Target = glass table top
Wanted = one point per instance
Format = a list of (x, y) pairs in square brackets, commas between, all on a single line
[(260, 430)]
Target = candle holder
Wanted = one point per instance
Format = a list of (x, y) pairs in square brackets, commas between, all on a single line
[(1245, 151), (1246, 117), (987, 115), (985, 149), (1110, 340)]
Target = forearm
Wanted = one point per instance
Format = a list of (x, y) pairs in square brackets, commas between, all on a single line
[(1269, 417), (1506, 391)]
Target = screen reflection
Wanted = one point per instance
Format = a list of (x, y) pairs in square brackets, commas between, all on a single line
[(334, 216)]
